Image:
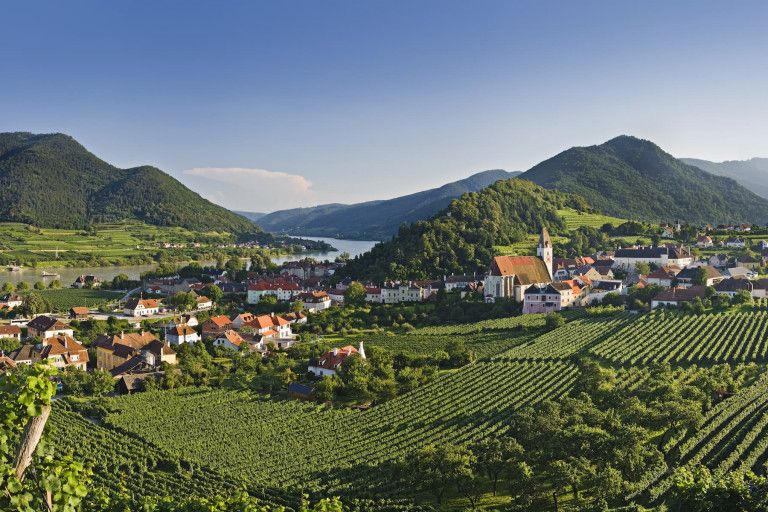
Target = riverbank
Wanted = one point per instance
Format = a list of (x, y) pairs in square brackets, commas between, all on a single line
[(67, 275)]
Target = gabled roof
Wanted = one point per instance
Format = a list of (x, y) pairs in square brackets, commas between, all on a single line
[(689, 273), (146, 303), (44, 323), (682, 294), (233, 337), (220, 321), (526, 269), (733, 284), (80, 310)]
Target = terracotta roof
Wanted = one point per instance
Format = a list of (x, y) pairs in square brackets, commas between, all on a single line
[(80, 310), (220, 321), (6, 363), (526, 269), (147, 303), (333, 358), (233, 337), (9, 330), (183, 330), (202, 299)]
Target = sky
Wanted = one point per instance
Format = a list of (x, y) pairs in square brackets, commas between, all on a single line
[(261, 106)]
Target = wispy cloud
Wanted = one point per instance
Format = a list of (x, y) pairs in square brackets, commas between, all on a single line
[(251, 189)]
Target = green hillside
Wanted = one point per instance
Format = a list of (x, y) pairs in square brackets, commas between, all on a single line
[(375, 220), (52, 181), (462, 237), (632, 178)]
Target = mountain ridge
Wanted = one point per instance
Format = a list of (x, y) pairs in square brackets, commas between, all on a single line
[(51, 180), (751, 173), (634, 178), (378, 219)]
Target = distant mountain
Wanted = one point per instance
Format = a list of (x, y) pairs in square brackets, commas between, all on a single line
[(375, 220), (461, 238), (252, 216), (52, 181), (753, 173), (633, 178)]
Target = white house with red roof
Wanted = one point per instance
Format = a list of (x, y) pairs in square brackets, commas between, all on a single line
[(283, 289), (327, 364), (142, 307)]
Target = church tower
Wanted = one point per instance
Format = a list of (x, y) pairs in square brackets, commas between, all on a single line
[(544, 251)]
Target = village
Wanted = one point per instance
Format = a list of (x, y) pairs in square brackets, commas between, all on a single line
[(272, 305)]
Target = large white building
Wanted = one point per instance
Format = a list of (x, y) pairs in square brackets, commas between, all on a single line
[(627, 259)]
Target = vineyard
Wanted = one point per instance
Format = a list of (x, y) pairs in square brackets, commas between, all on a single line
[(65, 298), (733, 436), (300, 447), (233, 433)]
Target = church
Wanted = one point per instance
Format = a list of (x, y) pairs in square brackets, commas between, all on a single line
[(510, 276)]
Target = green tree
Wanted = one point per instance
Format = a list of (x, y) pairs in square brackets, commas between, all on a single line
[(553, 320), (494, 454), (213, 292), (438, 469), (55, 284), (22, 286), (355, 294), (326, 388), (8, 287), (34, 304), (642, 268), (183, 301), (39, 285), (101, 383)]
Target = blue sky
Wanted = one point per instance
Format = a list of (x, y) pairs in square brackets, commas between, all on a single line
[(268, 105)]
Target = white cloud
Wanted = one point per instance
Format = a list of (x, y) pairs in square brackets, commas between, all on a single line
[(250, 189)]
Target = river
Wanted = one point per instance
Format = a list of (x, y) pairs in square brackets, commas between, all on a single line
[(67, 275)]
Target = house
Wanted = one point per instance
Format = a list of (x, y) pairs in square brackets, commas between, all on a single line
[(11, 301), (46, 326), (676, 296), (10, 331), (689, 276), (178, 333), (283, 289), (663, 276), (749, 262), (395, 293), (328, 363), (230, 339), (600, 289), (79, 313), (242, 319), (189, 319), (373, 294), (667, 232), (214, 326), (587, 271), (704, 242), (203, 303), (735, 243), (142, 307), (510, 276), (315, 301), (128, 382), (271, 326), (336, 295), (732, 286), (718, 260), (296, 317), (62, 351), (458, 282), (627, 259), (113, 352), (84, 281), (551, 297)]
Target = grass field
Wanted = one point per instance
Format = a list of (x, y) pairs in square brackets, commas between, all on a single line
[(55, 247), (65, 298)]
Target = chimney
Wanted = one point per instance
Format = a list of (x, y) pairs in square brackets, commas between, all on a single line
[(122, 335), (361, 350)]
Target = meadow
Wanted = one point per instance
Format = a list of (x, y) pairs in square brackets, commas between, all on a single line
[(63, 299)]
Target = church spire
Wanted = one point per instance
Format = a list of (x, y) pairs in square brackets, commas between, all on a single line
[(544, 251)]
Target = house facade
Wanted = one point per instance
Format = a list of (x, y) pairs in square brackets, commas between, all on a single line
[(45, 326), (142, 307)]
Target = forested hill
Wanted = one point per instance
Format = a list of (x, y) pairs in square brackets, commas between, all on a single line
[(375, 220), (460, 239), (633, 178), (52, 181), (752, 173)]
